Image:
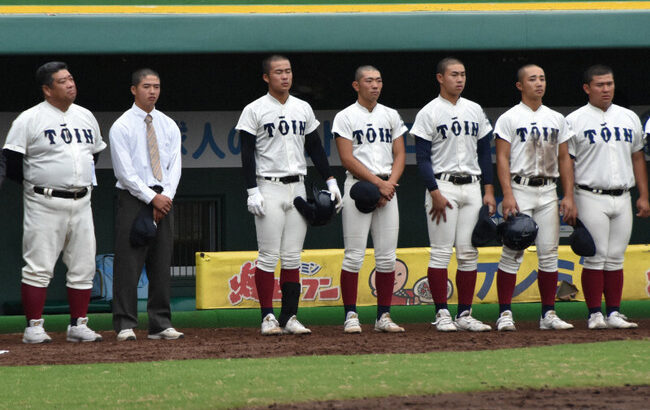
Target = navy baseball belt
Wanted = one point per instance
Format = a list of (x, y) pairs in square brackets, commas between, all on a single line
[(612, 192), (457, 179), (290, 179), (533, 181), (60, 193)]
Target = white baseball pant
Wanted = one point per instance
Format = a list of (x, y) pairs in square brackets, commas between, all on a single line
[(382, 223), (457, 231), (281, 231)]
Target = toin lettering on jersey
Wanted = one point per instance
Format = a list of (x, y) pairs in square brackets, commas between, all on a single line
[(535, 132), (370, 135), (285, 126), (66, 135), (457, 127), (606, 134)]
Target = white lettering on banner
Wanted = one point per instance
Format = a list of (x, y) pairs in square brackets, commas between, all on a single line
[(209, 139)]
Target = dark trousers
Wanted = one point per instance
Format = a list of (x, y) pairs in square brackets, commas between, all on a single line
[(128, 264)]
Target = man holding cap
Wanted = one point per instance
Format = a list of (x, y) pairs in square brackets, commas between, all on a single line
[(369, 138)]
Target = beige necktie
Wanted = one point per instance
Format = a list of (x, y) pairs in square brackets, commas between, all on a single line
[(152, 143)]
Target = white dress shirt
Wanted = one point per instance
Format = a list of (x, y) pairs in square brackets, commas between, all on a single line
[(130, 153)]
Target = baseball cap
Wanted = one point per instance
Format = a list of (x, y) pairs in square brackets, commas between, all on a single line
[(581, 241), (143, 230), (366, 196), (485, 230)]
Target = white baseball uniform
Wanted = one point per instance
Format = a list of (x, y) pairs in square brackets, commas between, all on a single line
[(57, 150), (454, 130), (280, 131), (534, 138), (602, 146), (373, 134)]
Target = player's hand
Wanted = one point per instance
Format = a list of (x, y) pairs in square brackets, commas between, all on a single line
[(382, 202), (488, 199), (643, 207), (333, 187), (386, 189), (255, 202), (162, 203), (439, 205), (568, 210), (509, 206)]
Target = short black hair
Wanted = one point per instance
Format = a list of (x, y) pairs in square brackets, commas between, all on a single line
[(266, 64), (44, 72), (359, 72), (594, 70), (520, 72), (446, 62), (138, 75)]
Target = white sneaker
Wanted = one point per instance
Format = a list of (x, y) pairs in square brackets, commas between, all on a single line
[(351, 324), (596, 321), (443, 321), (551, 321), (385, 324), (466, 322), (168, 334), (270, 326), (294, 327), (505, 322), (125, 334), (35, 333), (617, 320), (82, 333)]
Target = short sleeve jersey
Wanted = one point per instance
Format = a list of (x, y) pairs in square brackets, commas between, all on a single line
[(603, 145), (372, 134), (57, 146), (453, 130), (280, 131), (534, 138)]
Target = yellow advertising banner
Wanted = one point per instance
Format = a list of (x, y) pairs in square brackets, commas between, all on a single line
[(226, 279)]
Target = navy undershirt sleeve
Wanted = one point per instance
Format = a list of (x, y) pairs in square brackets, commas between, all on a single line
[(484, 152), (425, 167), (317, 154), (14, 165), (248, 158)]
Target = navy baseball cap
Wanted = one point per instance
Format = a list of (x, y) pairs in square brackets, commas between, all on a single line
[(485, 230), (143, 230), (365, 195), (581, 241)]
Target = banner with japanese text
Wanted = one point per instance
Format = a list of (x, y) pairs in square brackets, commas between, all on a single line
[(226, 279)]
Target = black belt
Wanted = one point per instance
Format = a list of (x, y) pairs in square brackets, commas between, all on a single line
[(285, 180), (61, 194), (612, 192), (533, 181), (458, 179)]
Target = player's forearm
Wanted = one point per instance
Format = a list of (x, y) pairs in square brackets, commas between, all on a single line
[(13, 165), (317, 154), (423, 159), (503, 167), (248, 159), (484, 153), (640, 174), (399, 160), (566, 173)]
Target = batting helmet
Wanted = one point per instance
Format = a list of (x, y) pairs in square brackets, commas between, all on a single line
[(317, 210), (581, 241), (485, 229), (518, 232)]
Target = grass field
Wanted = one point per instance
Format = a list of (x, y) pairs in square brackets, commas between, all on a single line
[(245, 382)]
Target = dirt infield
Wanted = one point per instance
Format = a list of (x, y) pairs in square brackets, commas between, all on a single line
[(329, 340)]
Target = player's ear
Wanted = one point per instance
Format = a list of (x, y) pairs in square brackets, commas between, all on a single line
[(133, 88), (355, 85), (518, 85), (586, 88), (439, 77), (46, 90), (265, 77)]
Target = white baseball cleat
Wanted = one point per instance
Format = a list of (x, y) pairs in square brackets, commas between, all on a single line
[(125, 334), (596, 321), (443, 321), (351, 324), (168, 334), (386, 325), (551, 321), (294, 327), (617, 320), (466, 322), (82, 333), (35, 333), (270, 326), (505, 322)]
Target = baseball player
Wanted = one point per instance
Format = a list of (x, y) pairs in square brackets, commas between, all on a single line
[(275, 130), (532, 151), (51, 149), (369, 139), (452, 139), (609, 158)]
